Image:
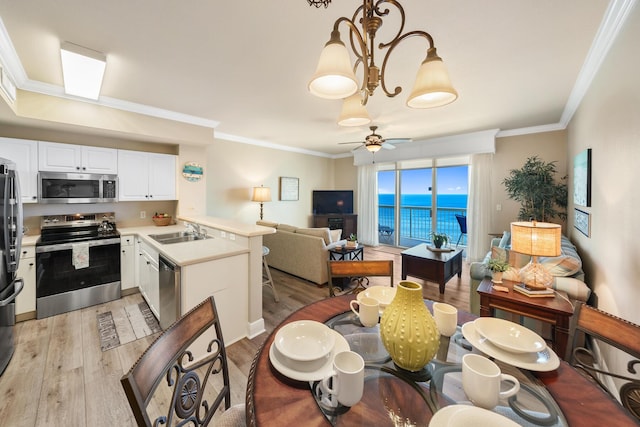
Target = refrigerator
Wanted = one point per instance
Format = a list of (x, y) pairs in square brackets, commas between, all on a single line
[(11, 226)]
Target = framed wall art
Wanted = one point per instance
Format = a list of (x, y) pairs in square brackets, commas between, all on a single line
[(582, 178), (582, 221), (289, 188)]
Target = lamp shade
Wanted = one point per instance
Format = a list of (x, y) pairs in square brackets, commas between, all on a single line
[(432, 87), (261, 194), (353, 112), (374, 147), (536, 238), (334, 77)]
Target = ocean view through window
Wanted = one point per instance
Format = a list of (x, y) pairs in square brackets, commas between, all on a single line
[(413, 190)]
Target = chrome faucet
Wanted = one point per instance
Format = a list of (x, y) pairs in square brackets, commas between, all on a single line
[(196, 229)]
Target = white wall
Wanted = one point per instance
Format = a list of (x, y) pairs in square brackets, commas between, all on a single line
[(608, 122), (235, 168)]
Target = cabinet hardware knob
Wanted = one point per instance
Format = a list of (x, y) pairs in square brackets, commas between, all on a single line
[(30, 264)]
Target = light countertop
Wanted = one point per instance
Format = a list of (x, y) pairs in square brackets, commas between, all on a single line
[(186, 253), (229, 225)]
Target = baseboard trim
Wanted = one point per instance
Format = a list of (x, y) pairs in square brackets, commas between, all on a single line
[(256, 328)]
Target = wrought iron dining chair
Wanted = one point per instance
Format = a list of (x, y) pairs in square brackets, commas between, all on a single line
[(592, 327), (168, 386), (358, 272), (462, 222)]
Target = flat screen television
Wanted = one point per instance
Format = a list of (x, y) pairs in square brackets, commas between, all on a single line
[(332, 202)]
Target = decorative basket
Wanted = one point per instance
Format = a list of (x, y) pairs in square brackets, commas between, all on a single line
[(162, 221)]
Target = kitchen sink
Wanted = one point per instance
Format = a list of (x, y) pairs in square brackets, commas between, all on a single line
[(178, 237)]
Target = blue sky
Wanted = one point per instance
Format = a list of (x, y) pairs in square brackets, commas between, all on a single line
[(451, 180)]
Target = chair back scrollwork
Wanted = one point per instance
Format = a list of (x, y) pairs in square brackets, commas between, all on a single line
[(592, 327)]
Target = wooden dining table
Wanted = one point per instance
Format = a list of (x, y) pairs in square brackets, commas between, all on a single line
[(274, 400)]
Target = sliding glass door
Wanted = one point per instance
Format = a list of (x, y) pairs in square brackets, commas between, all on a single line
[(418, 197)]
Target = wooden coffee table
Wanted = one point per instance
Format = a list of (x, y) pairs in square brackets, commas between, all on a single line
[(436, 267), (556, 311)]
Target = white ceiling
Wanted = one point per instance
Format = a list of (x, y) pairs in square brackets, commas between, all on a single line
[(242, 67)]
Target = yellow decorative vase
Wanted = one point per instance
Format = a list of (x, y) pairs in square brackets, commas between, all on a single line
[(408, 330)]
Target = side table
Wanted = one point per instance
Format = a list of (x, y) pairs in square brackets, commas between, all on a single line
[(346, 253), (556, 311)]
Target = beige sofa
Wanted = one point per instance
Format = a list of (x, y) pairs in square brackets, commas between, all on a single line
[(302, 252)]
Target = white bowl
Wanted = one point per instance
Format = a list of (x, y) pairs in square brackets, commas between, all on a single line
[(383, 294), (304, 340), (509, 336)]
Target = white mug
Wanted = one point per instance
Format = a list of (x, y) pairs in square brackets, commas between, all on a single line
[(446, 317), (367, 311), (348, 378), (481, 380)]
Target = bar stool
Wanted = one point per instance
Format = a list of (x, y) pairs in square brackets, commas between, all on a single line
[(268, 281)]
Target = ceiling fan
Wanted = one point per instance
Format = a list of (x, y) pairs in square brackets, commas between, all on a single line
[(375, 142)]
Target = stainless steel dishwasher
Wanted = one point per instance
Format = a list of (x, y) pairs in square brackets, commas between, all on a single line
[(169, 278)]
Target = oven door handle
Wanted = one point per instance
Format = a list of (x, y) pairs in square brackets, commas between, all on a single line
[(69, 246), (18, 284)]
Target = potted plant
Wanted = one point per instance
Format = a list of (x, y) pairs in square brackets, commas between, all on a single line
[(497, 267), (439, 239), (352, 241), (541, 197)]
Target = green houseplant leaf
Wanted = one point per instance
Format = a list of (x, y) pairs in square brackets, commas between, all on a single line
[(541, 197)]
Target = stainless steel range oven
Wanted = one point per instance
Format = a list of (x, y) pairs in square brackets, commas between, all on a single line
[(77, 263)]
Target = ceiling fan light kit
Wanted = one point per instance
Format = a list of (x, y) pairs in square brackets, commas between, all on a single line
[(335, 78)]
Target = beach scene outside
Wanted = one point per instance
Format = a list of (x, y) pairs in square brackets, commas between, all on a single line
[(421, 206)]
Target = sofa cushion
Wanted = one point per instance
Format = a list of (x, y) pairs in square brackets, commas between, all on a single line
[(319, 232), (336, 235), (287, 227)]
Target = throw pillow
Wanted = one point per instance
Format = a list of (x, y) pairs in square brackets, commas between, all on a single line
[(561, 266), (318, 232), (505, 242), (336, 235)]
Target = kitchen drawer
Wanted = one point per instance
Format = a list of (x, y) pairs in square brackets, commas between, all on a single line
[(127, 240)]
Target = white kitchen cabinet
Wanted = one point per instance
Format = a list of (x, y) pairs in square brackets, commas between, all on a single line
[(26, 300), (127, 263), (149, 280), (146, 176), (56, 157), (24, 153)]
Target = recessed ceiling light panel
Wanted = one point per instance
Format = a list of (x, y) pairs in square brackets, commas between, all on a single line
[(82, 70)]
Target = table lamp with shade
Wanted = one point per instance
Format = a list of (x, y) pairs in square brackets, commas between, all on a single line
[(536, 239), (261, 194)]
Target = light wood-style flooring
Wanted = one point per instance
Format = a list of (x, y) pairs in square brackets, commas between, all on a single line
[(59, 376)]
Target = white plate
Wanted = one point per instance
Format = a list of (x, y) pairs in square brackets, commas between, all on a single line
[(280, 362), (304, 340), (509, 335), (542, 361), (465, 415), (383, 294)]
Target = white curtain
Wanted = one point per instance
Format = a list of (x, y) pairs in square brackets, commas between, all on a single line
[(368, 205), (479, 206)]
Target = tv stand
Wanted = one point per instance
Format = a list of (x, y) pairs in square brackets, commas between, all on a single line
[(347, 222)]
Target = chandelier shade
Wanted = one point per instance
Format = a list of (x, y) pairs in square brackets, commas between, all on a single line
[(334, 77), (432, 87), (374, 147), (353, 112)]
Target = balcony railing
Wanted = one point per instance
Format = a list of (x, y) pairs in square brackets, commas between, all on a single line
[(415, 222)]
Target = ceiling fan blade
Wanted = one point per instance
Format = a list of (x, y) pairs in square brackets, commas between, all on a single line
[(388, 146), (397, 140), (354, 142)]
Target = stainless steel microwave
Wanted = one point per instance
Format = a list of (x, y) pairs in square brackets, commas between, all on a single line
[(62, 187)]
